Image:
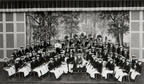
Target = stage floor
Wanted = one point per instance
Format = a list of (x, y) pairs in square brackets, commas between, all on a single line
[(76, 78)]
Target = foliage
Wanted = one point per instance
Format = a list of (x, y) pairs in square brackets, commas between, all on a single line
[(118, 24), (44, 24), (70, 21)]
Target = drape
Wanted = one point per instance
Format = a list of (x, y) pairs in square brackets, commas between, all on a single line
[(37, 5)]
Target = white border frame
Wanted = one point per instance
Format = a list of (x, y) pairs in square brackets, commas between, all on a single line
[(74, 9)]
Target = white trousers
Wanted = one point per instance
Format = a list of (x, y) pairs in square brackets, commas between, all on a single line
[(11, 70), (105, 72), (70, 68), (120, 74), (92, 71), (134, 74)]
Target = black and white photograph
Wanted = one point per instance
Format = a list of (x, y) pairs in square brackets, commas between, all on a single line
[(71, 42)]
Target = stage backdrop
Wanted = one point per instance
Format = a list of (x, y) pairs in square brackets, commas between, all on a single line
[(51, 26), (18, 29)]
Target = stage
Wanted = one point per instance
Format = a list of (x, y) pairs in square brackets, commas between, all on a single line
[(75, 78)]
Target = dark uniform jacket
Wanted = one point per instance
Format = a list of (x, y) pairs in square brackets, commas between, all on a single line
[(70, 60), (138, 68), (100, 65), (126, 68), (110, 66), (51, 66)]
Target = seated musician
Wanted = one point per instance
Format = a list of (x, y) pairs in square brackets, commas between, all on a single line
[(56, 62), (6, 62), (122, 61), (18, 64), (70, 62), (100, 65), (116, 59), (105, 55), (21, 51), (93, 50), (125, 71), (109, 69), (111, 54), (16, 54), (94, 68), (134, 62), (33, 54), (47, 56), (42, 57), (37, 47), (62, 57), (79, 62), (139, 67), (33, 63), (39, 60), (59, 59), (28, 49), (32, 47), (12, 59), (137, 70), (67, 51), (51, 65), (28, 58)]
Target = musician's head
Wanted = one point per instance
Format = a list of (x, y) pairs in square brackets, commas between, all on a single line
[(33, 59), (21, 48), (136, 60), (28, 55), (56, 57), (123, 59), (116, 55), (34, 53), (127, 62), (38, 56), (140, 62), (12, 57), (111, 61), (58, 41), (51, 60), (15, 50), (28, 46), (5, 59)]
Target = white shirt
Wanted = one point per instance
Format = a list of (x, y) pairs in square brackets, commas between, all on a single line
[(58, 45)]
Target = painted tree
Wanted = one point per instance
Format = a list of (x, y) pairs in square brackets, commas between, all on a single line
[(92, 23), (118, 24), (44, 25), (70, 21)]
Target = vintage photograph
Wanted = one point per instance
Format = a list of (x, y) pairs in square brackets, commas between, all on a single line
[(41, 44)]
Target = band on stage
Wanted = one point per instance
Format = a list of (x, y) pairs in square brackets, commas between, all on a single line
[(78, 54)]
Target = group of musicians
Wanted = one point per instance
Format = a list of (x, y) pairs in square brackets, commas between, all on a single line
[(80, 54)]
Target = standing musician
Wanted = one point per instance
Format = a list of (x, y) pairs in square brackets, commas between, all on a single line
[(58, 47)]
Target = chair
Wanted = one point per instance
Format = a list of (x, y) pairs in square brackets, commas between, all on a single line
[(127, 76), (108, 75), (98, 74)]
